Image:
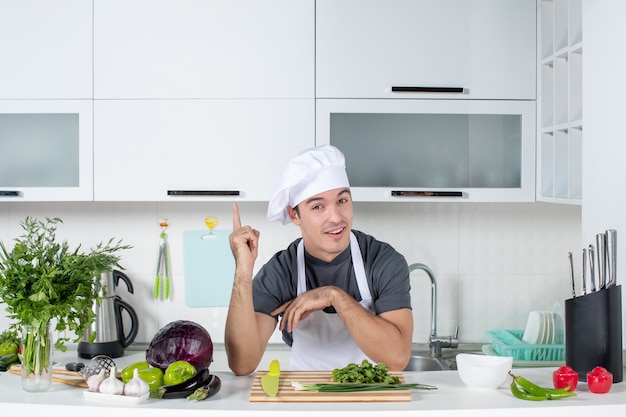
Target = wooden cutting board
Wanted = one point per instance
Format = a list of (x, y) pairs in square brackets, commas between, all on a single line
[(286, 393)]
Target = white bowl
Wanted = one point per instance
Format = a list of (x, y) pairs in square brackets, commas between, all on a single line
[(482, 371)]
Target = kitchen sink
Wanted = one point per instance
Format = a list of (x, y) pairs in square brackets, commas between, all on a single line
[(423, 361)]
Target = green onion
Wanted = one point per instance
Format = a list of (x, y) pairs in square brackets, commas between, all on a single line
[(356, 387)]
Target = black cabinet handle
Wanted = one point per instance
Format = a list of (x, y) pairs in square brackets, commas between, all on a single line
[(9, 193), (204, 193), (399, 193), (400, 89)]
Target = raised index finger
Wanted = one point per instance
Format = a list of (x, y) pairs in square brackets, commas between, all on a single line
[(236, 218)]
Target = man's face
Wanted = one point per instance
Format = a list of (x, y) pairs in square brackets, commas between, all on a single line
[(325, 221)]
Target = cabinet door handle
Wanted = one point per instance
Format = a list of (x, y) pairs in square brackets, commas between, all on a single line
[(417, 89), (400, 193), (9, 193), (218, 193)]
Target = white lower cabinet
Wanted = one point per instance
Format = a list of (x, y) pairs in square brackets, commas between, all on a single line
[(196, 150)]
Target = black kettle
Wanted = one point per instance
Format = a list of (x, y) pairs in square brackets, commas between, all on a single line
[(110, 336)]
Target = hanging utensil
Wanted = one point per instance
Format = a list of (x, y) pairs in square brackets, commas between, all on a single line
[(163, 264), (611, 257)]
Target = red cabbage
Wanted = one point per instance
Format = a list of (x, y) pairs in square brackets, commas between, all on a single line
[(180, 340)]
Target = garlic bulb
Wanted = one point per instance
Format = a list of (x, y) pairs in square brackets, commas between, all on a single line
[(112, 385), (136, 387), (94, 381)]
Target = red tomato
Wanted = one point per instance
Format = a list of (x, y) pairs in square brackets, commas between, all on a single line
[(599, 380), (565, 376)]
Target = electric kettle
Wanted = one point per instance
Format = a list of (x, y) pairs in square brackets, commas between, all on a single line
[(110, 336)]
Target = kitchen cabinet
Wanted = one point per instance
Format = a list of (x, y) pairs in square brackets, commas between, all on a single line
[(560, 110), (190, 150), (189, 49), (46, 49), (46, 150), (426, 150), (484, 47)]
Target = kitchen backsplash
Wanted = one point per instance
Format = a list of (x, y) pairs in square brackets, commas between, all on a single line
[(494, 262)]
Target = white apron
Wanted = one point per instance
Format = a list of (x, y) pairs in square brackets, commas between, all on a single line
[(321, 340)]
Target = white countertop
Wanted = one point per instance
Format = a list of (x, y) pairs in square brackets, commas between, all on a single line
[(452, 398)]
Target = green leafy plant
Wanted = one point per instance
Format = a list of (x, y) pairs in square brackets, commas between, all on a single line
[(44, 281)]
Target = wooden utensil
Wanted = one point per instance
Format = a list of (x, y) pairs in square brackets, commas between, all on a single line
[(76, 382)]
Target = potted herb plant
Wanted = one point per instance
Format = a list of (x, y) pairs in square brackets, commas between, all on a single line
[(46, 285)]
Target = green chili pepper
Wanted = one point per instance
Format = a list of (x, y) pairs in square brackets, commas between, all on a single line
[(524, 389)]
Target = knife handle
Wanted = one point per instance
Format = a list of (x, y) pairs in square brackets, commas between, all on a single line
[(592, 269)]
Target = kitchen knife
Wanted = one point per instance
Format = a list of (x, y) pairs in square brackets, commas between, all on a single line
[(601, 254), (571, 273), (611, 256), (592, 269), (584, 272), (269, 381)]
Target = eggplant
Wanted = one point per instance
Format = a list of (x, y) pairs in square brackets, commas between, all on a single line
[(208, 390), (185, 388)]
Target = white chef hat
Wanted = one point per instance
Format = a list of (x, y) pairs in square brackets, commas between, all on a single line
[(311, 172)]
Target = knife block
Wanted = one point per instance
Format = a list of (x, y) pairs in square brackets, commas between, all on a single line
[(593, 332)]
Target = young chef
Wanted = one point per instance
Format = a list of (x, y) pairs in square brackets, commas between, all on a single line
[(341, 295)]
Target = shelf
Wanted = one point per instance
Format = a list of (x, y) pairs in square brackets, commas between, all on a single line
[(560, 123)]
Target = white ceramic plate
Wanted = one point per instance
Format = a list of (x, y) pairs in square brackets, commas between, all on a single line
[(559, 323), (114, 399), (532, 333)]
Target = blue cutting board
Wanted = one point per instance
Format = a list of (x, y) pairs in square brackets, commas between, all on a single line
[(209, 268)]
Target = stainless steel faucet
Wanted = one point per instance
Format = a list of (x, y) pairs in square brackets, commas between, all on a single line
[(435, 343)]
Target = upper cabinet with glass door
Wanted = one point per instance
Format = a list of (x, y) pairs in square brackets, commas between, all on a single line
[(46, 108), (458, 49)]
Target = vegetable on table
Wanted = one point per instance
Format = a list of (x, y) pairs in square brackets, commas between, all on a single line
[(7, 360), (129, 372), (565, 377), (364, 373), (599, 380), (136, 387), (180, 340), (524, 389), (178, 372), (9, 342), (112, 385), (184, 389), (358, 387), (208, 390)]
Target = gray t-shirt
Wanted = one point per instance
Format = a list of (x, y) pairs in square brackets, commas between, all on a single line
[(387, 276)]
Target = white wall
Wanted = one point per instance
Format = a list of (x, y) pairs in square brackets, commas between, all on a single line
[(604, 111), (493, 262)]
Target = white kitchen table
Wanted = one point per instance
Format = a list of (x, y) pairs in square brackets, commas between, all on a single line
[(452, 398)]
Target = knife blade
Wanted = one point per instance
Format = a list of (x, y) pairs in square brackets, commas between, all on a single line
[(584, 272), (270, 381), (571, 273), (592, 269), (601, 254), (611, 257)]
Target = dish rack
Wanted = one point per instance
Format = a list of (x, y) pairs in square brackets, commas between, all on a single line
[(509, 343)]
